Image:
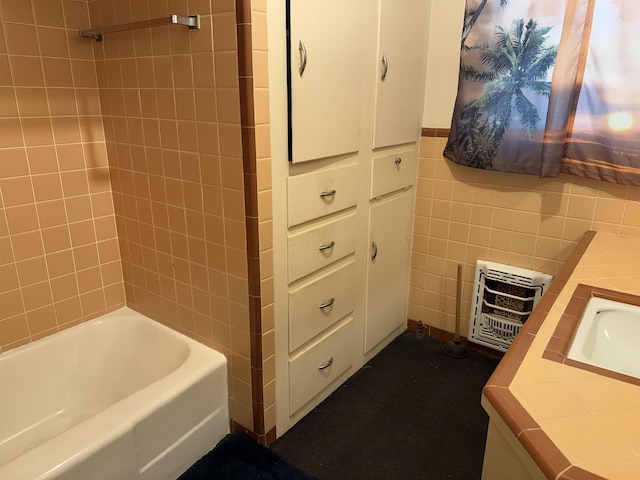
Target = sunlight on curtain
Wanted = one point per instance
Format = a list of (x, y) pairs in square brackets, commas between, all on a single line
[(547, 87), (605, 141)]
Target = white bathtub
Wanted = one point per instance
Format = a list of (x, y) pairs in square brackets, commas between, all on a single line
[(116, 398)]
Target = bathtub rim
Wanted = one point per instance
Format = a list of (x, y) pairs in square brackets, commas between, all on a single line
[(61, 452)]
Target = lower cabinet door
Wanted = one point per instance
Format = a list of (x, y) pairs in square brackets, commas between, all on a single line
[(315, 368), (388, 267)]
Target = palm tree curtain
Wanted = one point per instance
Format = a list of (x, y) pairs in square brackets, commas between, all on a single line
[(549, 87)]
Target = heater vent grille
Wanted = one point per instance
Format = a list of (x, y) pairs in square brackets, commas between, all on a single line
[(503, 298)]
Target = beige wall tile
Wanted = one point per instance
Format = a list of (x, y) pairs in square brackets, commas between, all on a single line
[(131, 121), (463, 215), (17, 11)]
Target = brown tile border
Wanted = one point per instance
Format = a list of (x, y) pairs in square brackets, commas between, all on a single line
[(249, 162), (537, 443), (435, 132), (445, 336), (558, 346), (577, 473), (266, 439)]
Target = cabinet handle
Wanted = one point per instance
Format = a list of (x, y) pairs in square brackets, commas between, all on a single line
[(327, 305), (374, 247), (398, 161), (303, 57), (327, 246), (328, 193), (385, 68), (326, 365)]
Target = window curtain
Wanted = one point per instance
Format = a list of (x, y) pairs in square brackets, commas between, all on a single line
[(549, 87)]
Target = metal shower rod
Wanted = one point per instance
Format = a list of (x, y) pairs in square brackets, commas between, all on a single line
[(193, 22)]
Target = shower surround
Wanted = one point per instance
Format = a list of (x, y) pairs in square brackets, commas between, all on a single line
[(123, 167)]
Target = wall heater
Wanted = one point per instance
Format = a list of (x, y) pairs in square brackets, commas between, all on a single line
[(503, 298)]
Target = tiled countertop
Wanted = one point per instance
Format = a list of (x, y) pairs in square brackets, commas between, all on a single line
[(576, 423)]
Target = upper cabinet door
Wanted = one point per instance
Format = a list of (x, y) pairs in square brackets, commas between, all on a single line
[(326, 53), (401, 60)]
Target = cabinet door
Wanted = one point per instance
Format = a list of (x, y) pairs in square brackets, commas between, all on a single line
[(388, 267), (326, 50), (401, 59)]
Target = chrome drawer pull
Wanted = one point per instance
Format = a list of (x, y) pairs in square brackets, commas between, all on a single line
[(326, 365), (328, 193), (385, 68), (303, 58), (328, 304), (327, 246), (398, 161)]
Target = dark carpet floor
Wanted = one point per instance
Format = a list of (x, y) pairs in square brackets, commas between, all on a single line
[(410, 413), (238, 457)]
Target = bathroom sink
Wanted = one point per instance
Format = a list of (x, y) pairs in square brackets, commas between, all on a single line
[(607, 337)]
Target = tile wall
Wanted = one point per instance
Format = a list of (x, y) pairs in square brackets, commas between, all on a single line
[(59, 256), (171, 108), (255, 119), (143, 132), (464, 214)]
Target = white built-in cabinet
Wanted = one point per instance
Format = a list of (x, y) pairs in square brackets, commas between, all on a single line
[(344, 146)]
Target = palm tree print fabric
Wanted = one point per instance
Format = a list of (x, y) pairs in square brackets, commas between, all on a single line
[(547, 87)]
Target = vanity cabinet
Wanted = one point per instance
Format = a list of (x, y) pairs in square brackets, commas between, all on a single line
[(340, 192)]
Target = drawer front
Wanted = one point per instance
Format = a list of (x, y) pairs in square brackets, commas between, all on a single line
[(315, 307), (307, 377), (320, 246), (391, 172), (313, 195)]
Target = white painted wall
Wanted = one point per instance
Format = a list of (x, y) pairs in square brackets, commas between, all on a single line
[(443, 60)]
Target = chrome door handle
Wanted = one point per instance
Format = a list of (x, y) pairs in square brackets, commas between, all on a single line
[(374, 247), (328, 193), (327, 304), (326, 365), (327, 246), (303, 57), (385, 68)]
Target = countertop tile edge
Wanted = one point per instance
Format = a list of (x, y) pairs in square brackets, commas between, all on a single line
[(541, 448)]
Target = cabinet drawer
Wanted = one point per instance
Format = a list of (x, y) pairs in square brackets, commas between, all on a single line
[(316, 306), (392, 172), (319, 246), (313, 195), (319, 365)]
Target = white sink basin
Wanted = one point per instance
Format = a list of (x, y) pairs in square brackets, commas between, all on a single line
[(607, 337)]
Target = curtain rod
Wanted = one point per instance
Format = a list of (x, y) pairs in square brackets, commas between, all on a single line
[(193, 22)]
